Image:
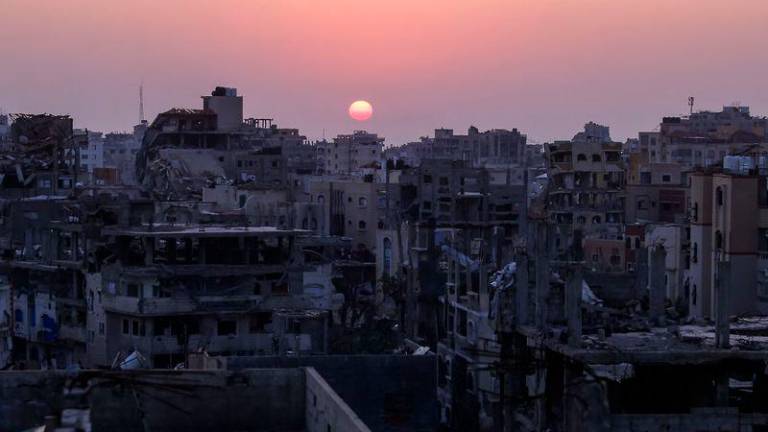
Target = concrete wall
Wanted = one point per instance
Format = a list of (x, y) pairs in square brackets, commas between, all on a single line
[(702, 420), (26, 397), (161, 400), (388, 392), (326, 411)]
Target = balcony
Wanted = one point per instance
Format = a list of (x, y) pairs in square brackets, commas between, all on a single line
[(149, 306), (181, 305), (257, 342), (72, 332)]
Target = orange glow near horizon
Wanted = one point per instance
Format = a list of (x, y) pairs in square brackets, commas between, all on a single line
[(545, 66)]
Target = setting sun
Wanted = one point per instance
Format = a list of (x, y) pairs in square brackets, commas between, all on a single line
[(360, 110)]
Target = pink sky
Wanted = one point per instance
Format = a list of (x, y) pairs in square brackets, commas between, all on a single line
[(545, 67)]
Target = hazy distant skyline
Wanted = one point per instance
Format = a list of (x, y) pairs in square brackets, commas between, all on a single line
[(545, 67)]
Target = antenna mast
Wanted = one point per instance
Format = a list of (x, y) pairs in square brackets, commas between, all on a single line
[(141, 103), (690, 104)]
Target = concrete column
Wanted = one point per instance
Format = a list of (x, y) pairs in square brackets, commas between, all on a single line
[(521, 290), (542, 275), (657, 292), (722, 294), (573, 306), (149, 250), (722, 389)]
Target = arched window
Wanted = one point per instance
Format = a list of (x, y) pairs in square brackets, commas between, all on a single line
[(321, 199), (361, 225), (596, 220)]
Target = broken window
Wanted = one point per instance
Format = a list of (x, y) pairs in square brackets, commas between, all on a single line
[(132, 290), (260, 323), (226, 327), (294, 326)]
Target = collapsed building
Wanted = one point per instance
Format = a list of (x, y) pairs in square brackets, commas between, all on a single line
[(41, 157), (185, 150), (94, 273)]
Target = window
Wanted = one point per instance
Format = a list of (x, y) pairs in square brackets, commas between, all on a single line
[(581, 157), (719, 196), (101, 328), (132, 290), (427, 179), (361, 225), (387, 259), (126, 327), (294, 327), (695, 257), (135, 328), (362, 202), (260, 322), (596, 220), (226, 328), (596, 158), (666, 178)]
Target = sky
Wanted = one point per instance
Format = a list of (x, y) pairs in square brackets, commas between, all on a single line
[(545, 67)]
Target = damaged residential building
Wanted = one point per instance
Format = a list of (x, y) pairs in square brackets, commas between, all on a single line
[(96, 271), (171, 290), (497, 146), (440, 200), (185, 150), (578, 285), (572, 336), (586, 191)]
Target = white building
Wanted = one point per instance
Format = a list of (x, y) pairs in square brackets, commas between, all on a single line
[(349, 154)]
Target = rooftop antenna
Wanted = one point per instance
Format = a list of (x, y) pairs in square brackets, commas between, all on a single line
[(690, 103), (141, 103)]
